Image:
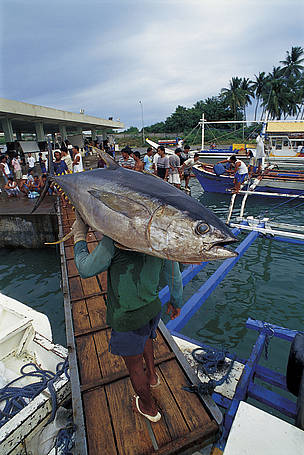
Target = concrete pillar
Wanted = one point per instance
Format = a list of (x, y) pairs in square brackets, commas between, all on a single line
[(8, 130), (63, 132), (18, 135), (40, 136), (93, 133)]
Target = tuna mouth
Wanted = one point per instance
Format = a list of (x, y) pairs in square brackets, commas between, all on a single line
[(219, 250)]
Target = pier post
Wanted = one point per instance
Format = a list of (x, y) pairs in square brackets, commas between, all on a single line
[(8, 129), (39, 132)]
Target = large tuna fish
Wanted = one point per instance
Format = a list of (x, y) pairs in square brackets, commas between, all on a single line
[(143, 213)]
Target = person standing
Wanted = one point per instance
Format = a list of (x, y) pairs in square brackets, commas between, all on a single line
[(77, 161), (174, 171), (126, 160), (133, 306), (240, 173), (59, 165), (17, 168), (4, 169), (30, 162), (260, 153), (148, 161), (162, 166), (186, 168), (155, 158), (65, 156), (42, 163), (139, 165)]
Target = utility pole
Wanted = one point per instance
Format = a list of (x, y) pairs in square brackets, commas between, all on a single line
[(142, 123)]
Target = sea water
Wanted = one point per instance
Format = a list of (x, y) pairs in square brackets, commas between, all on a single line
[(266, 284)]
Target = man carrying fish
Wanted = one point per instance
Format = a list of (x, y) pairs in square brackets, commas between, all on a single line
[(133, 306), (143, 220)]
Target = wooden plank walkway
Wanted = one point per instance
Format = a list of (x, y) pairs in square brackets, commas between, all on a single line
[(110, 426)]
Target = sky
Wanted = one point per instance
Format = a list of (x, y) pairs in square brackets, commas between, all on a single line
[(107, 56)]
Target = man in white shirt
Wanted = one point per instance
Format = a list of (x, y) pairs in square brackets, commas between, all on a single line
[(240, 173), (186, 168), (31, 162)]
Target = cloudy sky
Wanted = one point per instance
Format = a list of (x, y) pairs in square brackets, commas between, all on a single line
[(106, 56)]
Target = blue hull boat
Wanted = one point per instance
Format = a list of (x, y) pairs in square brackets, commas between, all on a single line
[(277, 182)]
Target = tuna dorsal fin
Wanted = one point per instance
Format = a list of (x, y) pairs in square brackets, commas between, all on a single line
[(120, 203), (111, 164)]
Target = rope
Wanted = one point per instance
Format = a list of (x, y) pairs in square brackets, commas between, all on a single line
[(282, 203), (16, 398), (65, 440), (210, 361)]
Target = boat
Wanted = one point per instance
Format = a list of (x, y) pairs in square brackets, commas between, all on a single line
[(285, 182), (233, 381), (28, 353)]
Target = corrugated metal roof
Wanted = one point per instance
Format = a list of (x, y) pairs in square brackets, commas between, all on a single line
[(285, 127)]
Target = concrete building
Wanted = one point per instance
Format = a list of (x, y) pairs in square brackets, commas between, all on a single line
[(17, 118)]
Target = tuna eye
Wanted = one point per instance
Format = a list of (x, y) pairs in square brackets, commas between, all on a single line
[(202, 228)]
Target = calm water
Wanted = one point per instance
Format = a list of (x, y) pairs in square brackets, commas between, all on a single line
[(266, 284)]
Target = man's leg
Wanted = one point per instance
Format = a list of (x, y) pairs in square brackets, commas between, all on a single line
[(149, 359), (140, 383)]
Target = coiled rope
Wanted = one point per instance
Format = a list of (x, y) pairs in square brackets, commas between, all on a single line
[(16, 398), (210, 361)]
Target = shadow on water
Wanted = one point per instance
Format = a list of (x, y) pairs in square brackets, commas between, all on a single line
[(33, 277)]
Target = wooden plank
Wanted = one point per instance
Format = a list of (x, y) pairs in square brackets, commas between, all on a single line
[(189, 403), (81, 319), (76, 291), (169, 409), (89, 369), (97, 311), (130, 428), (195, 439), (69, 252), (103, 279), (71, 266), (160, 346), (90, 286), (120, 375), (98, 424), (109, 363)]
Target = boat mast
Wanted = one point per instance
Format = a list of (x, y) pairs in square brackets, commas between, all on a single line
[(202, 122)]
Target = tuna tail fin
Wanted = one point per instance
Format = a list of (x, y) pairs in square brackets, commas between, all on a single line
[(42, 195), (111, 164)]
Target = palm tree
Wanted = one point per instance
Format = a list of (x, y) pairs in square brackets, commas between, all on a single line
[(234, 96), (258, 86), (276, 96), (292, 64)]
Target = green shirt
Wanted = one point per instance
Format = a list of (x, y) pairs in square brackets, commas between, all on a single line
[(133, 282)]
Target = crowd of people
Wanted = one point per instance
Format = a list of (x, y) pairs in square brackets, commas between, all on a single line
[(173, 168), (29, 178)]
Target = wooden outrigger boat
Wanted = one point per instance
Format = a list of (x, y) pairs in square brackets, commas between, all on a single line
[(273, 182)]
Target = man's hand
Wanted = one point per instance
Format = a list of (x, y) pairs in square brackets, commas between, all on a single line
[(172, 311), (79, 229)]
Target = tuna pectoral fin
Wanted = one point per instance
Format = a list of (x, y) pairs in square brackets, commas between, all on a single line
[(122, 247), (66, 237), (120, 203)]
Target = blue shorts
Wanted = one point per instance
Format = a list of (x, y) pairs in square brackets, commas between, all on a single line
[(133, 342), (259, 161), (240, 177)]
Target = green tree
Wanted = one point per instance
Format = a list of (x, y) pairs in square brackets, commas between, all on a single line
[(258, 87), (292, 63)]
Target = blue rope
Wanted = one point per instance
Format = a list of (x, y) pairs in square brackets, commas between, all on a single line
[(16, 398), (210, 361), (65, 440)]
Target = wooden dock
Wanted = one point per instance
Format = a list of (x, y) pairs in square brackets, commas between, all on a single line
[(101, 387)]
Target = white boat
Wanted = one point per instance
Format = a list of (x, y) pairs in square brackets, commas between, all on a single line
[(26, 338)]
